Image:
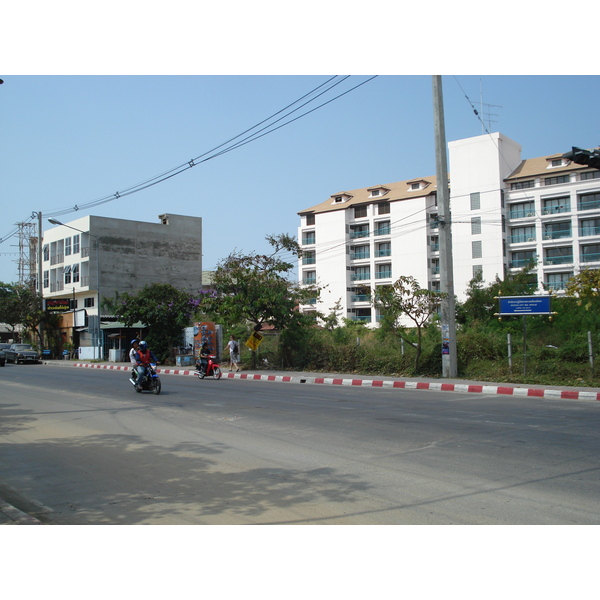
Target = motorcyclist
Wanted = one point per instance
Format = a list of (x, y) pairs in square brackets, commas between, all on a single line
[(144, 356), (202, 364)]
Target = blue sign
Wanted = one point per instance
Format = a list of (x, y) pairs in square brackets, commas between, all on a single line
[(524, 305)]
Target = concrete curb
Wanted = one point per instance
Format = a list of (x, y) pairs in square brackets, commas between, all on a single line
[(16, 516), (506, 390)]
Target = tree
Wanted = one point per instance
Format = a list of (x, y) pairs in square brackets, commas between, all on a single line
[(406, 298), (164, 309), (254, 288), (585, 286), (20, 305)]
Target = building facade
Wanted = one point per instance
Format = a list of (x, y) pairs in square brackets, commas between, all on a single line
[(92, 258), (505, 211)]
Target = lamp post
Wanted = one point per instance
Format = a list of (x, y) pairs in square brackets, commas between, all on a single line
[(98, 331)]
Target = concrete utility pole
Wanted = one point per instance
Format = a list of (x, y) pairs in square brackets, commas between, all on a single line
[(449, 362)]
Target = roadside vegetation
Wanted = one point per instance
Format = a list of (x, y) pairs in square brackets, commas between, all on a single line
[(252, 293)]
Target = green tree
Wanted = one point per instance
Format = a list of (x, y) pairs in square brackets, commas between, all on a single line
[(586, 287), (20, 305), (255, 288), (164, 309), (405, 298)]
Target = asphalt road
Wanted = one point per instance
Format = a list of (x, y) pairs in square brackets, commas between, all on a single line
[(81, 447)]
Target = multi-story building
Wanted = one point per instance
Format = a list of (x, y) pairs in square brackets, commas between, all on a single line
[(504, 212), (92, 258)]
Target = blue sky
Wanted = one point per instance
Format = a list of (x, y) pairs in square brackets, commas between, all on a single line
[(71, 140), (97, 101)]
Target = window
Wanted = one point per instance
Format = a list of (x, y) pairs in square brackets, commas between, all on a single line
[(46, 251), (435, 266), (590, 253), (310, 220), (384, 271), (522, 185), (384, 249), (590, 175), (383, 208), (558, 256), (76, 244), (556, 180), (308, 238), (360, 211), (558, 281), (68, 246), (309, 257), (554, 231), (67, 272), (522, 258), (309, 278), (589, 227), (588, 201), (475, 201), (554, 206), (46, 279), (556, 162), (476, 249), (361, 252), (434, 243), (359, 231), (75, 272), (415, 186), (88, 302), (477, 270), (521, 210), (375, 192), (382, 228), (475, 225), (434, 222), (522, 234), (361, 273)]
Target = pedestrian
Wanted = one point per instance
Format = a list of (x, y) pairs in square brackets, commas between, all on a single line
[(234, 353), (133, 360)]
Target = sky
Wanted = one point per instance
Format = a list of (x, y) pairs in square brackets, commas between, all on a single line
[(71, 140)]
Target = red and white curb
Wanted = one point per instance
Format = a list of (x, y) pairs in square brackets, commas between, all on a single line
[(379, 383)]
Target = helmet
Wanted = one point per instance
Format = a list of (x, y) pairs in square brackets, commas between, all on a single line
[(134, 341), (143, 345)]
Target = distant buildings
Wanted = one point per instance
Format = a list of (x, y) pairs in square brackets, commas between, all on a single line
[(505, 211), (95, 257)]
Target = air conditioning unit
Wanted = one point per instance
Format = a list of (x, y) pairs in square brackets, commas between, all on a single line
[(530, 215), (531, 239), (547, 237)]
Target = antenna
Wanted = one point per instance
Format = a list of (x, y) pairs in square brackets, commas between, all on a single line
[(482, 111)]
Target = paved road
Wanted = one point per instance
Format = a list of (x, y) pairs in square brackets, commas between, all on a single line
[(79, 446)]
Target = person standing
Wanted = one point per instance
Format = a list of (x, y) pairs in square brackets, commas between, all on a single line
[(234, 353)]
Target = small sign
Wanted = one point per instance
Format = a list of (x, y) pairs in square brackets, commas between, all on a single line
[(524, 305), (58, 306), (254, 341)]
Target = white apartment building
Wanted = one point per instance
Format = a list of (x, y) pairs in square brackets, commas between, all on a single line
[(504, 211)]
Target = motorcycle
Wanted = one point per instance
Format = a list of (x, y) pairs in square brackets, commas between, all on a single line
[(150, 383), (212, 368)]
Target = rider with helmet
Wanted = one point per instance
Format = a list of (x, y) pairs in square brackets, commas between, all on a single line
[(133, 359), (144, 356)]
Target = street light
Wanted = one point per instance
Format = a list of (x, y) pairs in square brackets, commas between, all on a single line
[(98, 331)]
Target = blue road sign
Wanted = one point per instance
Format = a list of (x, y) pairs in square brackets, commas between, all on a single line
[(524, 305)]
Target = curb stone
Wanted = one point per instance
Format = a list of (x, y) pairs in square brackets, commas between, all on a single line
[(507, 390)]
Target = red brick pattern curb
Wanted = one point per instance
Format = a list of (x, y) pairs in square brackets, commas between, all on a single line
[(408, 385)]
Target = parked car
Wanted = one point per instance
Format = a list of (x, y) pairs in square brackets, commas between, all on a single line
[(3, 347), (21, 353)]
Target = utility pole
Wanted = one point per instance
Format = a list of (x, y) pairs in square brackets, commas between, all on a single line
[(449, 362)]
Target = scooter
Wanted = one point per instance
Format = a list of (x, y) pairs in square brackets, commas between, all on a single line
[(150, 383), (212, 368)]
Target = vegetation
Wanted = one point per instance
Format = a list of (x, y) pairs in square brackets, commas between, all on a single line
[(165, 310)]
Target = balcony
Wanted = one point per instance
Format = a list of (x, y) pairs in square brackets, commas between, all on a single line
[(387, 274), (359, 234), (360, 255), (522, 238), (558, 260), (383, 230), (360, 276), (557, 235), (380, 253), (360, 298), (591, 257), (309, 260), (586, 231), (361, 318), (519, 263), (521, 214), (555, 210)]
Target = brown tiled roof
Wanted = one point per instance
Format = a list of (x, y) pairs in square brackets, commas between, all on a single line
[(397, 191), (538, 167)]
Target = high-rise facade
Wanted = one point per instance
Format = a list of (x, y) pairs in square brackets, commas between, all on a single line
[(504, 212)]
